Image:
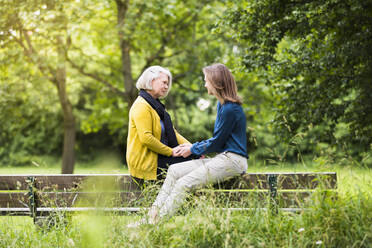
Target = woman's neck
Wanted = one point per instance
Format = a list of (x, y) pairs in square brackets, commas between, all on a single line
[(220, 100), (152, 94)]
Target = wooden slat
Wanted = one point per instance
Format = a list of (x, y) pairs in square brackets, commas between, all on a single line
[(89, 199), (328, 180), (257, 198), (247, 181), (307, 180), (234, 198), (292, 199), (45, 211), (68, 199), (13, 182), (131, 199), (67, 181), (124, 182), (13, 200)]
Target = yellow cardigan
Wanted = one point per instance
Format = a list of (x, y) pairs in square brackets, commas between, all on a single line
[(143, 142)]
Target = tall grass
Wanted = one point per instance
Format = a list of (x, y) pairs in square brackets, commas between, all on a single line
[(346, 222)]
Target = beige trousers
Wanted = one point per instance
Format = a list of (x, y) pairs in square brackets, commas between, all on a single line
[(183, 177)]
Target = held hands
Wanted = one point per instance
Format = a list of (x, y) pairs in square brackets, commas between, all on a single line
[(183, 150)]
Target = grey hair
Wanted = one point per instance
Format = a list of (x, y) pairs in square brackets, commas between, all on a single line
[(151, 73)]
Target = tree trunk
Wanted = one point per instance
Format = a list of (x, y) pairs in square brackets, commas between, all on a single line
[(130, 90), (68, 156)]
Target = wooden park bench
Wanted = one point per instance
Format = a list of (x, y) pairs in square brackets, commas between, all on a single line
[(39, 196)]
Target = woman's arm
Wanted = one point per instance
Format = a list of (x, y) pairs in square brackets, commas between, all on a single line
[(143, 120), (224, 125)]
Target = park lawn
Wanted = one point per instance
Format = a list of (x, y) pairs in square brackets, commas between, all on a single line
[(102, 164), (57, 170)]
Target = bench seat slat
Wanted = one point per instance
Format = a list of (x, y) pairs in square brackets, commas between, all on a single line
[(45, 211), (68, 199), (14, 200), (124, 182), (68, 181), (121, 199), (328, 180), (254, 198), (88, 199)]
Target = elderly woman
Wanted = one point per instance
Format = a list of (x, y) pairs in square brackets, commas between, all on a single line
[(228, 141), (151, 135)]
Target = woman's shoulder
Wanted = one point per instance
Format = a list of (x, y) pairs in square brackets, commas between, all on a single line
[(231, 106), (140, 101), (140, 104), (231, 110)]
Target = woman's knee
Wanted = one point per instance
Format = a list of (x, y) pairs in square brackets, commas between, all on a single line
[(178, 170), (172, 171), (183, 184)]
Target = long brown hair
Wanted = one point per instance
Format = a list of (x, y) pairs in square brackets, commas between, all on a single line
[(223, 82)]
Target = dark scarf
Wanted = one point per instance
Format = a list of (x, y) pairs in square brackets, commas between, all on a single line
[(164, 116)]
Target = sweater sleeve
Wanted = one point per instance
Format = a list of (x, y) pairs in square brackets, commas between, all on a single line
[(223, 128), (143, 121)]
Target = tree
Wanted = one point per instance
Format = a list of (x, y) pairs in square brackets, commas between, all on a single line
[(318, 57), (41, 31)]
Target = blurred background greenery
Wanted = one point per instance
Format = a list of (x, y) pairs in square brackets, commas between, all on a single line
[(68, 71)]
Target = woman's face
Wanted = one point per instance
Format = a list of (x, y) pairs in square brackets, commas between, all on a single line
[(160, 86), (209, 86)]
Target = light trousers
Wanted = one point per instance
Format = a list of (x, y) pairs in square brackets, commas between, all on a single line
[(185, 176)]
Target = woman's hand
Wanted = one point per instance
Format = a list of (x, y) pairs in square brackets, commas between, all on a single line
[(176, 151), (183, 150)]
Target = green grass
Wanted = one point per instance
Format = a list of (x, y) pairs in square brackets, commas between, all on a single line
[(345, 222), (103, 164), (57, 170)]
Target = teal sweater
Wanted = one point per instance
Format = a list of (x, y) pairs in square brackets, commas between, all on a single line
[(229, 132)]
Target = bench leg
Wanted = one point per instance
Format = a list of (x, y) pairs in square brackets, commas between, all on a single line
[(273, 184), (32, 197)]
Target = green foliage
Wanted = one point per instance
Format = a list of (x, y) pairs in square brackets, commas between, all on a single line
[(303, 71), (171, 33), (30, 120), (318, 58)]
